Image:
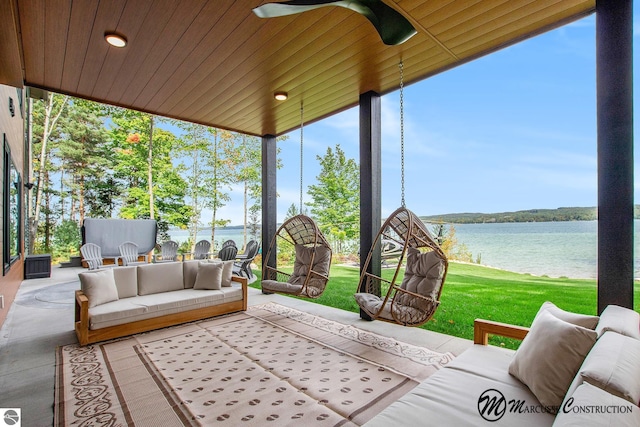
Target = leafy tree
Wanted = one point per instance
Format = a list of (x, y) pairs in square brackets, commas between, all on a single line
[(66, 239), (45, 118), (336, 197)]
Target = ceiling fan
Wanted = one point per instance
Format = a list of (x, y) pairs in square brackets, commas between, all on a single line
[(393, 28)]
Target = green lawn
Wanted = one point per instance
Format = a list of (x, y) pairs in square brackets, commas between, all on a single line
[(474, 291)]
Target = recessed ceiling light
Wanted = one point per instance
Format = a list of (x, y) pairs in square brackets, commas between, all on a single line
[(280, 96), (115, 40)]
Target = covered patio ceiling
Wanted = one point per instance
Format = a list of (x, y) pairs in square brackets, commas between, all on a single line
[(216, 63)]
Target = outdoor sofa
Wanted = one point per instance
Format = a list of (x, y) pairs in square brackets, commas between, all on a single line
[(584, 368), (121, 301)]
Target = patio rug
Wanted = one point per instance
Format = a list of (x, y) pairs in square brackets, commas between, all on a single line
[(268, 365)]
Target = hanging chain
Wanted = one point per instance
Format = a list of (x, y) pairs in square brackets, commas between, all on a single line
[(402, 132), (301, 144)]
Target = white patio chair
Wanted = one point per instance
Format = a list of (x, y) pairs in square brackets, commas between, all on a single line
[(168, 252), (129, 254), (92, 254)]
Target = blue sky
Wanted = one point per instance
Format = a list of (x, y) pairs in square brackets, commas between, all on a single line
[(510, 131)]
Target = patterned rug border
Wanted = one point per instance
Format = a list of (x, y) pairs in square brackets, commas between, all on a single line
[(380, 342)]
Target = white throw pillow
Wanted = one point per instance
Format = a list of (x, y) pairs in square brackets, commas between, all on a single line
[(613, 364), (99, 286), (584, 320), (209, 276), (227, 271), (619, 319), (549, 357), (591, 406)]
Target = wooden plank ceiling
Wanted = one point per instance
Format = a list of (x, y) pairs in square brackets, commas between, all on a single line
[(214, 62)]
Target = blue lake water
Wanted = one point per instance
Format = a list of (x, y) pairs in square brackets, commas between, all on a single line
[(540, 248), (554, 249)]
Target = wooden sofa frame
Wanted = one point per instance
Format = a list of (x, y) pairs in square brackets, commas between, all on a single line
[(483, 328), (89, 336)]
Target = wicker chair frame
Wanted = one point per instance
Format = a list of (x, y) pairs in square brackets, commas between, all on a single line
[(297, 230), (408, 231)]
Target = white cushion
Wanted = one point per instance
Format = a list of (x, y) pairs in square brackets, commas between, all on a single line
[(227, 271), (209, 276), (584, 320), (592, 406), (126, 281), (99, 286), (155, 278), (549, 357), (189, 272), (621, 320), (613, 364)]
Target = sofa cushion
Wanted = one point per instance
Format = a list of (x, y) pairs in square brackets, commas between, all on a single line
[(227, 270), (423, 276), (592, 406), (584, 320), (155, 278), (621, 320), (613, 364), (209, 276), (126, 281), (155, 305), (450, 397), (189, 273), (549, 357), (99, 286)]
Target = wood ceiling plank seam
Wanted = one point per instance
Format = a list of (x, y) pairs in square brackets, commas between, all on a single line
[(109, 13), (77, 41), (11, 57), (192, 73), (461, 19), (132, 15), (480, 35), (193, 36), (151, 51), (33, 39), (491, 16), (56, 21), (506, 38), (232, 61), (231, 100)]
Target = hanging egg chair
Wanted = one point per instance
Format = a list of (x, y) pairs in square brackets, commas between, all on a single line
[(312, 259)]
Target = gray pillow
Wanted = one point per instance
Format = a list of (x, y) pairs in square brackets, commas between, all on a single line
[(621, 320), (227, 271), (99, 286), (423, 274), (549, 357), (584, 320), (209, 276)]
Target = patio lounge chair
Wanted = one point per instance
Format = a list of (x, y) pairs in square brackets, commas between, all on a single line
[(202, 250), (92, 254), (130, 256), (168, 252), (228, 253), (243, 264)]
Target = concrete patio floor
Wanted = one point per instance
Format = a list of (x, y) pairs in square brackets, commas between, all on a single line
[(41, 319)]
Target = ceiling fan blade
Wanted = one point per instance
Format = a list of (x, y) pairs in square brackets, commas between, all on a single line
[(392, 26), (274, 10)]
